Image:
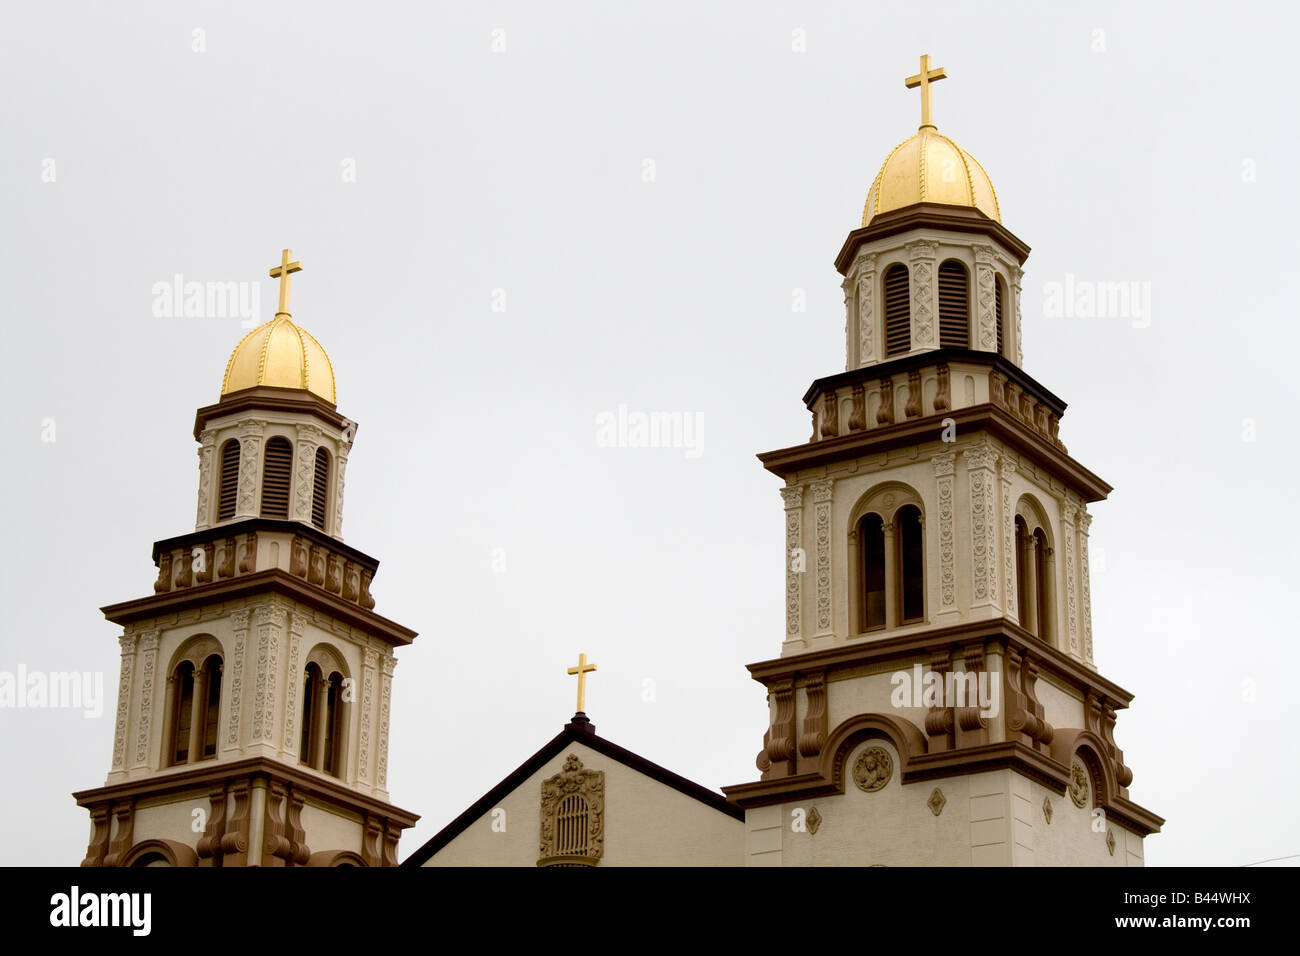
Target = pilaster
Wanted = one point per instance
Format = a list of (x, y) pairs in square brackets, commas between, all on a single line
[(921, 255), (795, 563), (980, 480), (250, 464), (207, 447)]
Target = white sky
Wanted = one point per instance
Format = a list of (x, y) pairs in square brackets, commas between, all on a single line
[(522, 171)]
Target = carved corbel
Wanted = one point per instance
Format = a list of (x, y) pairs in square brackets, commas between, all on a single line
[(943, 397), (858, 417), (830, 415), (814, 722), (249, 562), (885, 413), (204, 576), (316, 566), (99, 830), (164, 582), (780, 746), (120, 845), (234, 841), (209, 845), (913, 407), (226, 569), (276, 847), (334, 574), (365, 600), (184, 573), (939, 721)]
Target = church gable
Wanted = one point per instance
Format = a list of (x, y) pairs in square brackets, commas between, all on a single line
[(584, 801)]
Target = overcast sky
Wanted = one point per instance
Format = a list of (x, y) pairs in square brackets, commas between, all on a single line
[(516, 217)]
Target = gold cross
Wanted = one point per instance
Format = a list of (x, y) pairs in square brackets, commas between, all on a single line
[(582, 670), (923, 80), (282, 272)]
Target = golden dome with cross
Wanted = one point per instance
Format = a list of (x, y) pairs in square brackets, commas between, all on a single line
[(279, 353), (930, 167)]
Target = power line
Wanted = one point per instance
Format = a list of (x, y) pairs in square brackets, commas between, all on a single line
[(1275, 859)]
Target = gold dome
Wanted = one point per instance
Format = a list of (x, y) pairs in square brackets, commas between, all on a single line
[(280, 354), (929, 167)]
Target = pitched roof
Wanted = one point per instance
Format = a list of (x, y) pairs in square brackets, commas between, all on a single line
[(578, 730)]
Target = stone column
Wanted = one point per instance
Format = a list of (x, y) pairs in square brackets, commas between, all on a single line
[(197, 699), (1049, 619), (795, 563), (308, 438), (203, 518), (986, 316), (247, 504), (319, 711), (125, 694), (891, 574), (1029, 559), (980, 478), (921, 256), (822, 491)]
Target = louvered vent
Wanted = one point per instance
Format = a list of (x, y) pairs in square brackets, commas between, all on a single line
[(229, 480), (898, 311), (320, 488), (275, 478), (997, 308), (954, 305)]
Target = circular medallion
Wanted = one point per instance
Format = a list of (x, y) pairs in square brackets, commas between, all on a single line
[(873, 769)]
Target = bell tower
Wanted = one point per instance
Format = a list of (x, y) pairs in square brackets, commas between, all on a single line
[(935, 701), (253, 705)]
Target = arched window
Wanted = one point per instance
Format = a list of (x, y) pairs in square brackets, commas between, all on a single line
[(310, 687), (229, 480), (999, 297), (1036, 600), (912, 577), (182, 712), (954, 305), (320, 488), (889, 560), (1043, 577), (898, 310), (275, 478), (324, 718), (212, 709), (871, 537), (194, 709), (333, 730)]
